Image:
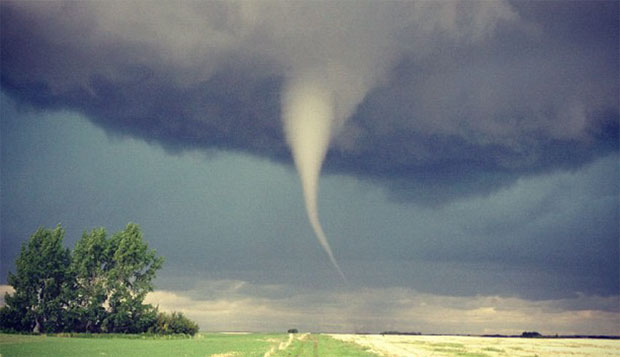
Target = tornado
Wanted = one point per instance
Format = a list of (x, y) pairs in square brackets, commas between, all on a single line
[(308, 116)]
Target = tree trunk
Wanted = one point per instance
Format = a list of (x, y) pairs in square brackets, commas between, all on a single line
[(37, 327)]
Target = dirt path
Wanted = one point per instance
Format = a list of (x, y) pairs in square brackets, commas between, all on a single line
[(315, 346), (284, 345)]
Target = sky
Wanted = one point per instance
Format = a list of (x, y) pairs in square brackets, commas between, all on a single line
[(469, 154)]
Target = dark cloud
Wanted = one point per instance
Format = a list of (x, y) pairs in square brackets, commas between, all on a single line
[(457, 99), (499, 118), (234, 216)]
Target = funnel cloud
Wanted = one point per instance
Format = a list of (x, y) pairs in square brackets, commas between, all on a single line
[(441, 106), (434, 101), (308, 116)]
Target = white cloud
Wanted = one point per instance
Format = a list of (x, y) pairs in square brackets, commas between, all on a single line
[(258, 308)]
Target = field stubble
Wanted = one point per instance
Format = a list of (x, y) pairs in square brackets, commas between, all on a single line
[(469, 346)]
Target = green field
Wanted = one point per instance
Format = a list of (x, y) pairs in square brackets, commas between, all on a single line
[(302, 345), (204, 344)]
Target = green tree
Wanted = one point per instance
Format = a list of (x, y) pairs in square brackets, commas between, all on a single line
[(130, 268), (39, 302), (15, 317), (112, 278), (89, 264), (101, 287)]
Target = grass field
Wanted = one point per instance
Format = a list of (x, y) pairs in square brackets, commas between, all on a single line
[(302, 345), (205, 344)]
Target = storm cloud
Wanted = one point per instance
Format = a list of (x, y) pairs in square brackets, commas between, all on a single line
[(472, 168), (369, 310), (434, 100)]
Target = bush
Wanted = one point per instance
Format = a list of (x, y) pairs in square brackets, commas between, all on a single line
[(174, 323), (293, 330)]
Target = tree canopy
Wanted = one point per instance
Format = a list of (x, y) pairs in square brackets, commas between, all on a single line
[(99, 287), (42, 278)]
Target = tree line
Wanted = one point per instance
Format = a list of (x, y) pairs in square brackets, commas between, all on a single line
[(99, 287)]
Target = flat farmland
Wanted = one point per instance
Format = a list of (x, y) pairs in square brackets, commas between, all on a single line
[(397, 346), (301, 345), (203, 345)]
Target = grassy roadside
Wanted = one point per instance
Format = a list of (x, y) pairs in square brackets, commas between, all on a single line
[(203, 344)]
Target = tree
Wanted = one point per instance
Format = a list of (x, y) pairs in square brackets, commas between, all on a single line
[(112, 278), (14, 317), (99, 288), (130, 268), (39, 302), (88, 266)]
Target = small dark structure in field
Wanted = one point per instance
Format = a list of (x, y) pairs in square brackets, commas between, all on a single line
[(401, 333), (293, 330), (531, 334)]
